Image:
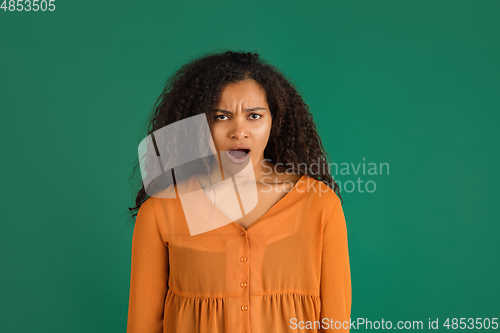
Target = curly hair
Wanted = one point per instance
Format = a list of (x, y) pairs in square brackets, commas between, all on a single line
[(196, 86)]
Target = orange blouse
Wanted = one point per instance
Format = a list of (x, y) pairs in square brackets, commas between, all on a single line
[(287, 272)]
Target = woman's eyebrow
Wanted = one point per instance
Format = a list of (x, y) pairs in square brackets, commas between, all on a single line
[(247, 110)]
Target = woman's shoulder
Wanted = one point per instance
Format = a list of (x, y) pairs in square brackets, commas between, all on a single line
[(318, 190)]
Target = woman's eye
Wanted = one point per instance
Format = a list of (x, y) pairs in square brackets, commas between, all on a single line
[(220, 115), (255, 114)]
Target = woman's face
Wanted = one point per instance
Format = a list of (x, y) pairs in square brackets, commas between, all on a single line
[(242, 117)]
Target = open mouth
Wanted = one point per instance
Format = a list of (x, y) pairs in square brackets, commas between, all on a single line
[(239, 153)]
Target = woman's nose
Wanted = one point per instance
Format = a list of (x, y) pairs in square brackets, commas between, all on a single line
[(239, 128)]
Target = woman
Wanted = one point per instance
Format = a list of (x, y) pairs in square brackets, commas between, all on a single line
[(283, 266)]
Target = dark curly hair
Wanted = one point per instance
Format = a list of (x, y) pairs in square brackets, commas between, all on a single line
[(196, 86)]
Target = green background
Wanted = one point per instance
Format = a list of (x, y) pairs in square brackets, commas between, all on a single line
[(414, 84)]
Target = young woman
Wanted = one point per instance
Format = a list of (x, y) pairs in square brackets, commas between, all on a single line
[(283, 266)]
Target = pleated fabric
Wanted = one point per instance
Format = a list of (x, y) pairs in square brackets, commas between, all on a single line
[(287, 272)]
